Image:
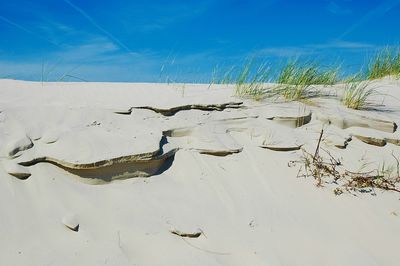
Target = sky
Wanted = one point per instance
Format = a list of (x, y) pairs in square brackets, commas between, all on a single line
[(185, 41)]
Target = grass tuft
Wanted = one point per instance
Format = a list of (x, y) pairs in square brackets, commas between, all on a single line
[(385, 63), (295, 73), (296, 80), (357, 93), (251, 79)]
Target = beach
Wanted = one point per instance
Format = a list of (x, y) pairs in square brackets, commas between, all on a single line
[(98, 173)]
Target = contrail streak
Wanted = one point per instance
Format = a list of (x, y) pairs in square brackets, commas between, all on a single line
[(95, 24), (12, 23), (376, 12)]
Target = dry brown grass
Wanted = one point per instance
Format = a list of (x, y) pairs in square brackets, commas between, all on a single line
[(326, 169)]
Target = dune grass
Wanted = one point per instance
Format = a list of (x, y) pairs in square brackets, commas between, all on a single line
[(308, 73), (296, 80), (250, 80), (303, 80), (357, 93), (385, 63), (225, 78)]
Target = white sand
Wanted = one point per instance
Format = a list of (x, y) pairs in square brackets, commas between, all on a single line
[(112, 173)]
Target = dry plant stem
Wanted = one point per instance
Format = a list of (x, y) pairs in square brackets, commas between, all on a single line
[(326, 170), (319, 142), (182, 234), (397, 166)]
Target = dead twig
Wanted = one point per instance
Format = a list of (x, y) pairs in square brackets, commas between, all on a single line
[(182, 234), (319, 142), (331, 169)]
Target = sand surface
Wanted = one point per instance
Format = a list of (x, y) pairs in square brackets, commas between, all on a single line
[(178, 174)]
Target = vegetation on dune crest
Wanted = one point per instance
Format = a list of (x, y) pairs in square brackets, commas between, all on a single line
[(225, 78), (296, 80), (385, 63), (251, 79), (295, 73), (356, 94)]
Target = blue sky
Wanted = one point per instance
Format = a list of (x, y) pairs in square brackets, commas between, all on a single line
[(153, 41)]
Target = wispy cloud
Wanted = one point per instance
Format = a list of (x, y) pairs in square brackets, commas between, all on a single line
[(313, 49), (343, 45), (97, 60), (284, 51), (163, 15), (376, 12), (28, 31), (100, 28), (337, 9), (97, 49), (52, 28), (32, 70)]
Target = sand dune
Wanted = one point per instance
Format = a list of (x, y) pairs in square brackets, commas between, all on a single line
[(174, 174)]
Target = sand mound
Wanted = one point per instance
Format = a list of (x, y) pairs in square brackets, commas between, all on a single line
[(157, 174)]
